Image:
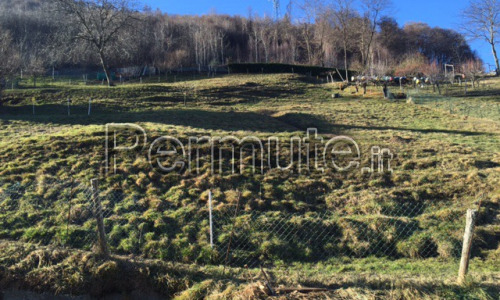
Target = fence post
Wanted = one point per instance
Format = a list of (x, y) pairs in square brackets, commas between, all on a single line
[(101, 238), (467, 245), (210, 219)]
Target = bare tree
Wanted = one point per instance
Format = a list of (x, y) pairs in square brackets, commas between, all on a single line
[(414, 64), (434, 73), (291, 53), (95, 33), (8, 57), (473, 69), (482, 21), (373, 10), (311, 10), (343, 14), (276, 7), (100, 22), (264, 27), (34, 67)]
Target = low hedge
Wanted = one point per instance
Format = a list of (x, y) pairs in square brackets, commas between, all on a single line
[(275, 68)]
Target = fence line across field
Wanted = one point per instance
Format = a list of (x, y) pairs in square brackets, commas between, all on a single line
[(236, 236)]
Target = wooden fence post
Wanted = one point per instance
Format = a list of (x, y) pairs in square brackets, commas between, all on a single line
[(467, 245), (101, 237)]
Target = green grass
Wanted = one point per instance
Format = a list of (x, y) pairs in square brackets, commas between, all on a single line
[(62, 271), (445, 160)]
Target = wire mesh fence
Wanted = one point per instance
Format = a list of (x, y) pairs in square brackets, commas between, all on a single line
[(65, 214), (453, 101), (256, 238), (98, 78), (47, 212)]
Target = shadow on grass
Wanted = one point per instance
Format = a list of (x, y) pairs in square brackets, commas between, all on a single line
[(252, 90), (476, 93), (420, 130), (197, 118), (304, 121)]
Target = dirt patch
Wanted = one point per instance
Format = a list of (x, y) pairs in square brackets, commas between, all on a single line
[(400, 140)]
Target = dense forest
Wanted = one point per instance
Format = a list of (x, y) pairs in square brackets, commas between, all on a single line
[(38, 36)]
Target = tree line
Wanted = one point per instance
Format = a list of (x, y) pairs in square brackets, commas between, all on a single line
[(39, 35)]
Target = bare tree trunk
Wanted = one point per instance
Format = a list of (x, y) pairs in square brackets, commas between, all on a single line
[(265, 46), (495, 56), (277, 55), (309, 51), (105, 68), (345, 62), (362, 48), (373, 28), (222, 49), (308, 44)]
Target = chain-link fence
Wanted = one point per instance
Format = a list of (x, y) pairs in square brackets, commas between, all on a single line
[(93, 78), (252, 238), (457, 104), (65, 214), (47, 212)]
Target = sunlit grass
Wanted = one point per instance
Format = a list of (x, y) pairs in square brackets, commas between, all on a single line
[(443, 158)]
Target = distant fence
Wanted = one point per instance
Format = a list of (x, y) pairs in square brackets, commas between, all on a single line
[(66, 214), (99, 78), (458, 104)]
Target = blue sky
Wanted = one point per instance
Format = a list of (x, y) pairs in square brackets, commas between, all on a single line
[(442, 13)]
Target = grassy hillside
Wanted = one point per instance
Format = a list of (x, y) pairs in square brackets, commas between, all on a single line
[(447, 158)]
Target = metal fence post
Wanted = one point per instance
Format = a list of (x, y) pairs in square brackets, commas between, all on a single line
[(467, 245), (210, 219), (102, 244)]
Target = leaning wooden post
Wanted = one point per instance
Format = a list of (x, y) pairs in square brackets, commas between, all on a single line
[(101, 238), (466, 248)]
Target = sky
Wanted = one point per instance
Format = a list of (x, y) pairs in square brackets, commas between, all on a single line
[(441, 13)]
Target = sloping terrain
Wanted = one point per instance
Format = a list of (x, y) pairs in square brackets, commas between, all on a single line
[(445, 161)]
